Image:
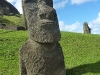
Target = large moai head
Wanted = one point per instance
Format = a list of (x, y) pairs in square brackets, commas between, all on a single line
[(41, 20)]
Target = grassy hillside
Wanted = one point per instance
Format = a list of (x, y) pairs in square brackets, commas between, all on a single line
[(12, 20), (10, 42), (81, 52)]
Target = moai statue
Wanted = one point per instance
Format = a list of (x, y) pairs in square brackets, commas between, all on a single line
[(86, 28), (24, 17), (42, 53)]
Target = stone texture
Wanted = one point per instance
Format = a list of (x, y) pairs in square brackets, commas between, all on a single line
[(86, 28), (41, 21), (41, 59), (41, 54), (7, 9)]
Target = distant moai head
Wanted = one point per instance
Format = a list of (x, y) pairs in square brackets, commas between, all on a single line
[(42, 20), (86, 28)]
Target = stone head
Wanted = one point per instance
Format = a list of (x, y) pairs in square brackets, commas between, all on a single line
[(42, 21), (85, 25)]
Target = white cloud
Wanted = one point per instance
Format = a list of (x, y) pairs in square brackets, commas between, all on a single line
[(17, 4), (11, 1), (60, 3), (95, 25), (57, 4), (81, 1), (55, 0), (96, 21), (75, 27)]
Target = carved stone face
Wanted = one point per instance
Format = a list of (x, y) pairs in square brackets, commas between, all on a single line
[(42, 22)]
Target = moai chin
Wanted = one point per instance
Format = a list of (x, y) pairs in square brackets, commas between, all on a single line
[(86, 28), (42, 53)]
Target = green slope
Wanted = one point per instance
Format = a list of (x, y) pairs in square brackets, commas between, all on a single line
[(81, 52), (12, 20)]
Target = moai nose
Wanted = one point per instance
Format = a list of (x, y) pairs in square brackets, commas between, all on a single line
[(48, 13)]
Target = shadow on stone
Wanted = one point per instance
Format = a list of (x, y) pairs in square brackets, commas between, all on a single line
[(83, 69)]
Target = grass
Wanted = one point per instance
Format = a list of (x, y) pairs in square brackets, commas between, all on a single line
[(10, 42), (12, 20), (81, 52)]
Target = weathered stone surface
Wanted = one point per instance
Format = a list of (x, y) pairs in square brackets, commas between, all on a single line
[(26, 3), (42, 21), (41, 54), (7, 9), (86, 28), (41, 59)]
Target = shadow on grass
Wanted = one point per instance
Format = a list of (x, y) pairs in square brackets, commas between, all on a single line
[(86, 68)]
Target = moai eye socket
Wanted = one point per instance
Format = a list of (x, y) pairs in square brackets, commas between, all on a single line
[(43, 15)]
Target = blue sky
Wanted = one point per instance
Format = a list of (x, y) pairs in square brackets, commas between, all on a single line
[(72, 13)]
